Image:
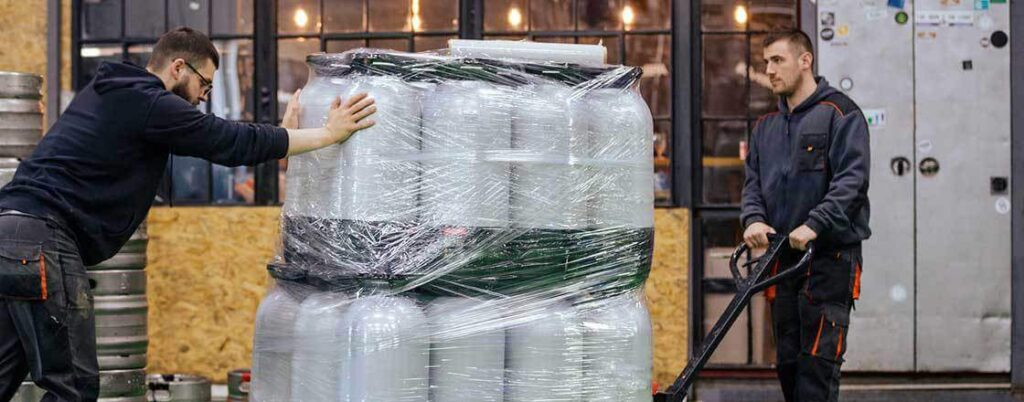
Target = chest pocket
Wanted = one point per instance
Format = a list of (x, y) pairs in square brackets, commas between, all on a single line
[(810, 153)]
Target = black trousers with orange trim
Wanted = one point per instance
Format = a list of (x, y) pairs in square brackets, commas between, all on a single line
[(811, 320), (52, 341)]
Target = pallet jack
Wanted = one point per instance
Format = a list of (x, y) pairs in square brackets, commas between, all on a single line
[(759, 278)]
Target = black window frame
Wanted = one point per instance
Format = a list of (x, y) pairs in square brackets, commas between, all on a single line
[(125, 42), (265, 38), (620, 35), (702, 212)]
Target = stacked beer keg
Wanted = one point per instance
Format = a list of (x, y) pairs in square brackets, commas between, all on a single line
[(486, 240), (120, 306), (21, 119)]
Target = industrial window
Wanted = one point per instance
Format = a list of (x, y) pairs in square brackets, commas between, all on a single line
[(732, 99), (115, 30), (256, 81), (310, 26), (636, 32)]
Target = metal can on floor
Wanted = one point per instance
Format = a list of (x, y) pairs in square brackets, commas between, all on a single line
[(238, 385)]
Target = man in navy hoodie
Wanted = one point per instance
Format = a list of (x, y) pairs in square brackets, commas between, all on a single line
[(807, 178), (91, 182)]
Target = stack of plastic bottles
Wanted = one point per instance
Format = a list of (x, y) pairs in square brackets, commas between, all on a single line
[(487, 240)]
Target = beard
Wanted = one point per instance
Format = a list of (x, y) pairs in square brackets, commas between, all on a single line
[(788, 87), (781, 89), (181, 89)]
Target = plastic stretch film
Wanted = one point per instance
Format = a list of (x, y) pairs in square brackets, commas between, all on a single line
[(487, 240)]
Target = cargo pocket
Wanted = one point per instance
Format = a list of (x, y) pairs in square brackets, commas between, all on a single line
[(22, 271), (831, 333), (810, 156), (831, 278)]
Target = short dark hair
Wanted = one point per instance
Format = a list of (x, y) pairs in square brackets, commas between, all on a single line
[(796, 38), (184, 43)]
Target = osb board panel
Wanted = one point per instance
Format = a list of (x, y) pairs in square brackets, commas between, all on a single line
[(667, 293), (207, 274), (23, 27)]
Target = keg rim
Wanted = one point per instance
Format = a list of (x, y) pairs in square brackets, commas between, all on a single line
[(7, 162), (30, 106), (20, 74)]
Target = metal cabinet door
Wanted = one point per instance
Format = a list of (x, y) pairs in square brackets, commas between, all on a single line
[(963, 165), (866, 50)]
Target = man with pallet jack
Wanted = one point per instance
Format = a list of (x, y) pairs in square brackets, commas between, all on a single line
[(807, 176)]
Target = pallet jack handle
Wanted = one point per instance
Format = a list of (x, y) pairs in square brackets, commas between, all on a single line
[(759, 278), (776, 245)]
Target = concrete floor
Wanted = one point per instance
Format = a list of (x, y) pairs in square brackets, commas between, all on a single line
[(763, 387)]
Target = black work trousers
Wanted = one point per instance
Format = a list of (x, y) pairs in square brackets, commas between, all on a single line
[(811, 319), (47, 327)]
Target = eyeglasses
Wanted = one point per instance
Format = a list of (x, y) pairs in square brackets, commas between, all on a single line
[(207, 85)]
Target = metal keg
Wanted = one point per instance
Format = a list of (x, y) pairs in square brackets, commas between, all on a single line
[(116, 382), (122, 383), (131, 256), (21, 117), (28, 392), (20, 85), (178, 388), (238, 385), (121, 330), (118, 283), (121, 320), (8, 166), (120, 307)]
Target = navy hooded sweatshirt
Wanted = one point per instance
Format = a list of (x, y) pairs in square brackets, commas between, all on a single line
[(809, 165), (96, 171)]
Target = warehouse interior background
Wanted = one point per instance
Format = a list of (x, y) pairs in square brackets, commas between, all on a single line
[(214, 228)]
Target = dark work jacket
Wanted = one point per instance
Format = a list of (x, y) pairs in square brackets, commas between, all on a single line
[(809, 166)]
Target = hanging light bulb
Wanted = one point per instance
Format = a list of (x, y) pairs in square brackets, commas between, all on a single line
[(415, 20), (515, 17), (628, 16), (301, 18), (740, 15)]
